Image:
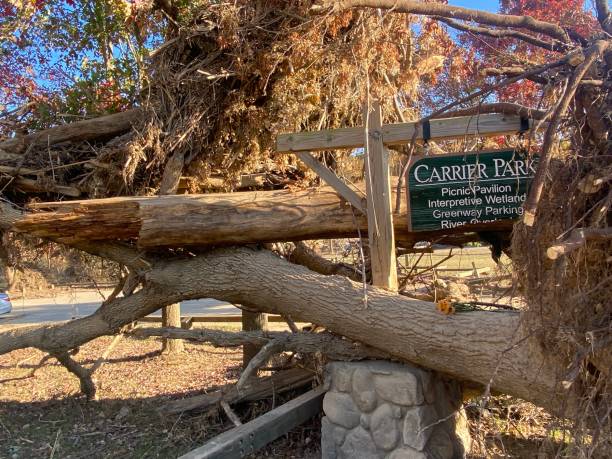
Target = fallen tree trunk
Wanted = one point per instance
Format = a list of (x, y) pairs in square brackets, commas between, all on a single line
[(95, 128), (219, 219), (489, 348)]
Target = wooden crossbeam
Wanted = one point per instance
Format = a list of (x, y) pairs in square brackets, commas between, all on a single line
[(333, 180), (248, 438), (401, 133)]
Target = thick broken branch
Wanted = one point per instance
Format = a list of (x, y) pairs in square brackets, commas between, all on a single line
[(104, 126), (507, 108), (304, 255), (100, 361), (230, 413), (503, 33), (513, 71), (336, 348), (4, 156), (578, 238), (214, 219), (465, 14), (477, 346), (9, 170), (87, 385), (37, 186), (9, 216), (274, 347), (603, 15), (121, 253)]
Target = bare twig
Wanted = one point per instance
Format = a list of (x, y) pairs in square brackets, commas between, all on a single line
[(603, 15), (265, 353), (502, 33), (98, 363), (435, 265), (482, 92), (531, 204), (230, 413)]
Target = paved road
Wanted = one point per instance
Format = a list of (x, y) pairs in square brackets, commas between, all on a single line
[(65, 306)]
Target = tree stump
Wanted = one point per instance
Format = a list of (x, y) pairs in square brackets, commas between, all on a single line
[(252, 321), (171, 317)]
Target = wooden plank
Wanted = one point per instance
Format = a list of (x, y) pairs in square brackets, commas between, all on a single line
[(333, 180), (378, 192), (255, 389), (248, 438), (222, 318), (485, 125)]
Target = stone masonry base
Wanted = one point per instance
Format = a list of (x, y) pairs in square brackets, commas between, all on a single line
[(380, 409)]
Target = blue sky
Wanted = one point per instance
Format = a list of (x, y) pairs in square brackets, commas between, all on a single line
[(489, 5), (493, 5)]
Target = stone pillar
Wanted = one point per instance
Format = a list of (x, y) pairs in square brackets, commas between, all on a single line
[(387, 410)]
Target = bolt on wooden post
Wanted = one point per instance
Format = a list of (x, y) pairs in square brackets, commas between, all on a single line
[(378, 195)]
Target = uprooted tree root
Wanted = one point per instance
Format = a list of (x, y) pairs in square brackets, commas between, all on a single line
[(233, 77), (570, 310)]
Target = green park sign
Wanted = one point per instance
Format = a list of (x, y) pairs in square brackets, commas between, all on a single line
[(448, 191)]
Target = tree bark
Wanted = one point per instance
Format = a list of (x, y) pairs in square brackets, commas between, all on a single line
[(331, 345), (466, 14), (305, 256), (35, 186), (171, 314), (5, 277), (484, 347), (171, 317), (217, 219), (252, 321), (95, 128)]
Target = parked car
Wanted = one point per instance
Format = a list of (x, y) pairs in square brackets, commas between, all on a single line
[(5, 303)]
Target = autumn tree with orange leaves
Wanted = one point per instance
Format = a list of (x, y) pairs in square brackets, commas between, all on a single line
[(229, 77)]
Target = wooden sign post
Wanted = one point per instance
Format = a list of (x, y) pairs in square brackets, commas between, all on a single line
[(378, 194), (377, 137)]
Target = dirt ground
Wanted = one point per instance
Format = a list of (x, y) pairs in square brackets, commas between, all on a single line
[(44, 417)]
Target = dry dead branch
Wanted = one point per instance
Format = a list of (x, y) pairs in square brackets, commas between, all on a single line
[(577, 239)]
